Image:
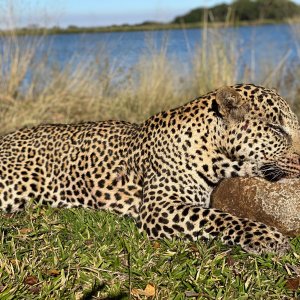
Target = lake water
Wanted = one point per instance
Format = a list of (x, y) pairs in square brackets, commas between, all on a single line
[(268, 41), (254, 45)]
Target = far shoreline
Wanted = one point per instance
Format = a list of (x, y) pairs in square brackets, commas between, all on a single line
[(140, 27)]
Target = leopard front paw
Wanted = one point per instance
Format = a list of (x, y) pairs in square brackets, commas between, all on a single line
[(257, 238), (270, 243)]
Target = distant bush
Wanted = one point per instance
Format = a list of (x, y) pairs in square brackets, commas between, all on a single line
[(244, 10)]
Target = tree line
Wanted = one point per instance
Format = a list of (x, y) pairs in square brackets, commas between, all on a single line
[(243, 10)]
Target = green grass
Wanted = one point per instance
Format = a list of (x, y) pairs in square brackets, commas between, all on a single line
[(82, 254)]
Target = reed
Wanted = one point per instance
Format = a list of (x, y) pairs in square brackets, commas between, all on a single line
[(34, 89)]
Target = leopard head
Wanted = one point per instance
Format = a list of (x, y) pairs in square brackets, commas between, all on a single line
[(259, 126)]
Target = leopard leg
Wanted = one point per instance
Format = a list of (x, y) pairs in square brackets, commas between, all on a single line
[(163, 215)]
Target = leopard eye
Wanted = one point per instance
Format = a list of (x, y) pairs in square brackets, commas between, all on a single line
[(278, 129)]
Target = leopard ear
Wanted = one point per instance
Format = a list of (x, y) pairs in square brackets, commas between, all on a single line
[(231, 104)]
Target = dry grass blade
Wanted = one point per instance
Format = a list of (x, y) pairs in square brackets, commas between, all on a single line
[(35, 89)]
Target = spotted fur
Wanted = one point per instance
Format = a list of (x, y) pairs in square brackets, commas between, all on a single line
[(160, 172)]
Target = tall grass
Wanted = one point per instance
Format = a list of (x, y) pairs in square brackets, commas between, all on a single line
[(34, 89)]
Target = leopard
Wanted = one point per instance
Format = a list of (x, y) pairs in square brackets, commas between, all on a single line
[(161, 172)]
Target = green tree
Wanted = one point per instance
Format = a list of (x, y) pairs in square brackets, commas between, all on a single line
[(195, 15), (244, 10), (277, 9)]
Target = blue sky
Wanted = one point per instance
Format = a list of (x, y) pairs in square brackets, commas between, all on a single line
[(100, 12), (129, 11)]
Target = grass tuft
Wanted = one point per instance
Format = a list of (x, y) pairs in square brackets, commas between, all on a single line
[(51, 253)]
